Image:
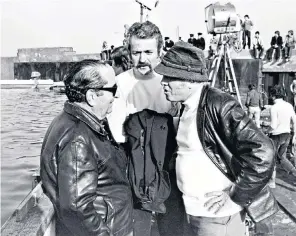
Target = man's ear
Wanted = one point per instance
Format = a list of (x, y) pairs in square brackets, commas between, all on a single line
[(90, 98)]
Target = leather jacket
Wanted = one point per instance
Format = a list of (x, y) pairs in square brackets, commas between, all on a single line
[(239, 149), (83, 172)]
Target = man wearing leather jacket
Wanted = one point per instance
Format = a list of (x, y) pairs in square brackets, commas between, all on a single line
[(224, 161), (83, 170)]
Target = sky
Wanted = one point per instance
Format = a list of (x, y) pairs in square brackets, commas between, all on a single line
[(85, 24)]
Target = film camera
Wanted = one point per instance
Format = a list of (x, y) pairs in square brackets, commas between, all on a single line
[(221, 19)]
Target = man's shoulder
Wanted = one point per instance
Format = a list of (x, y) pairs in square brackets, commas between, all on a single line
[(217, 97), (125, 75), (289, 106), (216, 92), (217, 103), (280, 106), (125, 78)]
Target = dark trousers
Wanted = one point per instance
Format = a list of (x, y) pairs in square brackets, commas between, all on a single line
[(258, 50), (247, 35), (142, 222), (281, 142), (277, 53), (173, 222)]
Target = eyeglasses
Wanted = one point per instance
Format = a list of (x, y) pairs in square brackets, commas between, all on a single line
[(110, 89)]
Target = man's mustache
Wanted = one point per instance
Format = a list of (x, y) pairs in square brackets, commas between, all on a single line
[(143, 64)]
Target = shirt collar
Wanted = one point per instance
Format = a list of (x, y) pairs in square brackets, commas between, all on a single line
[(85, 116), (278, 100)]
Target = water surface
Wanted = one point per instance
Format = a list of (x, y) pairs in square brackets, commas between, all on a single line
[(25, 117)]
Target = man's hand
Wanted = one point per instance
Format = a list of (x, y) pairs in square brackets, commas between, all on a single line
[(217, 200)]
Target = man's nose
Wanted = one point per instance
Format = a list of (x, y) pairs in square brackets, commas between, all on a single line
[(143, 57), (164, 81)]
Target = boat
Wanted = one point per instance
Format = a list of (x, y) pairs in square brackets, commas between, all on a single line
[(33, 217), (25, 84), (58, 87)]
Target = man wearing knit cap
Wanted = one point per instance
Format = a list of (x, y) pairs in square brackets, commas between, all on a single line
[(224, 161)]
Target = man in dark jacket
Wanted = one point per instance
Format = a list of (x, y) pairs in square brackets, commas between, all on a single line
[(192, 40), (224, 161), (200, 42), (276, 44), (83, 170), (168, 43)]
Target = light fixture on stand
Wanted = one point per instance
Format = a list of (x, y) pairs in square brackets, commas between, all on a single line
[(223, 20), (146, 4)]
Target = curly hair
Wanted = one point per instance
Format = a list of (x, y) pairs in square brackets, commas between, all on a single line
[(121, 58), (82, 76), (145, 30), (277, 91)]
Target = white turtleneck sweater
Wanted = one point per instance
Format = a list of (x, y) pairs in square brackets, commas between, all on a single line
[(196, 173)]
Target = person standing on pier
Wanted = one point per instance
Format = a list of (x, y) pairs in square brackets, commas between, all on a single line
[(254, 104), (35, 75), (282, 116), (139, 88), (82, 167), (224, 161), (200, 42), (247, 26), (191, 39)]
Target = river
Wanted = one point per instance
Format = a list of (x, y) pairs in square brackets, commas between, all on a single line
[(25, 117)]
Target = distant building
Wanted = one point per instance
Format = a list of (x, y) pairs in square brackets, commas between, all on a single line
[(52, 62)]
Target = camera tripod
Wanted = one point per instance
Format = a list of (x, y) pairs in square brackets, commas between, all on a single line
[(230, 82)]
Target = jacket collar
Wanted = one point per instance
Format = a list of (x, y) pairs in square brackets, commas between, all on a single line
[(201, 112), (85, 116), (203, 96)]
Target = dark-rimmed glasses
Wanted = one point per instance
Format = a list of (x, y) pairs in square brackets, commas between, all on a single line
[(108, 89)]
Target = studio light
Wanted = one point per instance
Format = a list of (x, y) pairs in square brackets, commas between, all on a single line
[(221, 18)]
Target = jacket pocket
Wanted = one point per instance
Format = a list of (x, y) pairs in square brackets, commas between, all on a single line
[(165, 186)]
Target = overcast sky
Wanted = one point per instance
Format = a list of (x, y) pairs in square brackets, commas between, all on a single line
[(85, 24)]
